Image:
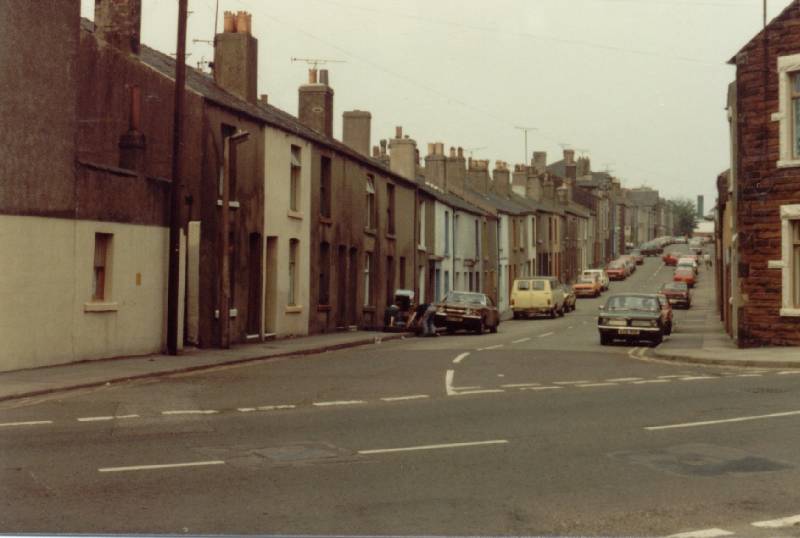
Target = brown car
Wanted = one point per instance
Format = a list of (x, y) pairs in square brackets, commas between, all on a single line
[(467, 310)]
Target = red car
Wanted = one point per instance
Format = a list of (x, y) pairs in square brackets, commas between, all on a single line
[(685, 275), (677, 293), (616, 271), (670, 258)]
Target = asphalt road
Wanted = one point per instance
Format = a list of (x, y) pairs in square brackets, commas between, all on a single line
[(535, 430)]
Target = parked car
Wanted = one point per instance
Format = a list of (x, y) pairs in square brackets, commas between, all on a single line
[(677, 293), (638, 257), (569, 298), (630, 264), (631, 317), (616, 270), (537, 295), (650, 249), (666, 313), (687, 262), (601, 274), (685, 274), (681, 240), (587, 286), (670, 258), (467, 310)]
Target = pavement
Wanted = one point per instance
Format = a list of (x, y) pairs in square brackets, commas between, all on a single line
[(94, 373), (703, 339)]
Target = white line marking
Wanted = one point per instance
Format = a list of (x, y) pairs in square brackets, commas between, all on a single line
[(778, 523), (460, 358), (705, 533), (29, 423), (546, 334), (632, 352), (490, 347), (163, 466), (246, 409), (750, 375), (624, 379), (275, 407), (448, 382), (540, 388), (402, 398), (114, 417), (696, 377), (520, 340), (671, 376), (467, 388), (598, 385), (191, 412), (340, 402), (484, 391), (517, 385), (651, 381), (573, 382), (433, 447), (789, 372), (570, 327), (723, 421)]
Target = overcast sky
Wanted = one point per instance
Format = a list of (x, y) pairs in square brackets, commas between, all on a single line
[(638, 85)]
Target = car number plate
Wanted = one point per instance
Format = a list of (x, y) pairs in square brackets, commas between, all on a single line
[(453, 318), (629, 331)]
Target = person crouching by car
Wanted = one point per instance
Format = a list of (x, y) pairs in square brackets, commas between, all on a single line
[(428, 316)]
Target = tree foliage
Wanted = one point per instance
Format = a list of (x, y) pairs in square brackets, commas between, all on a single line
[(685, 214)]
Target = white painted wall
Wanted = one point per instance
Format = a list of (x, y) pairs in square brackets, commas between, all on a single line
[(46, 291), (286, 225)]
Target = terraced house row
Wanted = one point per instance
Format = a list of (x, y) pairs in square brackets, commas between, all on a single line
[(285, 229)]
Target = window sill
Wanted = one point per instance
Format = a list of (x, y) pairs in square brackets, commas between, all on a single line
[(790, 163), (295, 214), (391, 236), (100, 307), (323, 308), (422, 248), (293, 309), (790, 312), (371, 231), (325, 220)]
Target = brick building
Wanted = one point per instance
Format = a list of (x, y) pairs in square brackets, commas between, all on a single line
[(764, 185)]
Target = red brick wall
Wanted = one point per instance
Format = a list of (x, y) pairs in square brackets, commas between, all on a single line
[(762, 187)]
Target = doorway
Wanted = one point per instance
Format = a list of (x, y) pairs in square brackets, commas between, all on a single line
[(271, 288)]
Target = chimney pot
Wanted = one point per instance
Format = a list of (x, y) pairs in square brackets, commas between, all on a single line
[(431, 148), (452, 152), (229, 23), (263, 99), (376, 151), (398, 132), (243, 22), (312, 76), (323, 77), (460, 152)]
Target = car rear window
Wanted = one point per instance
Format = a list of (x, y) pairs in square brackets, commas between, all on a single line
[(539, 285), (523, 285)]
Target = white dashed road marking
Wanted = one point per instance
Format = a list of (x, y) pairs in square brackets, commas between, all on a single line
[(778, 523), (161, 466), (623, 379), (540, 388), (275, 407), (520, 340), (723, 421), (29, 423), (448, 382), (789, 372), (100, 419), (497, 346), (546, 334), (190, 412), (705, 533), (339, 402), (579, 382), (598, 385), (484, 391), (518, 385), (697, 378), (434, 447), (460, 358), (645, 381), (402, 398)]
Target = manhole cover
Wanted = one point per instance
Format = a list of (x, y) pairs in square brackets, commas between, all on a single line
[(702, 460)]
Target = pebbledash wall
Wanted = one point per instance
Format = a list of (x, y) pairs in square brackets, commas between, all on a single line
[(767, 190)]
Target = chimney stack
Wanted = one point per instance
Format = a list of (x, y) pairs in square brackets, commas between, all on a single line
[(569, 156), (456, 171), (119, 23), (356, 130), (403, 155), (501, 178), (435, 166), (539, 163), (236, 57), (478, 175), (316, 103)]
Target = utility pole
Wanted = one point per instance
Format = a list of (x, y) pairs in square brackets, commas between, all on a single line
[(175, 192), (525, 130)]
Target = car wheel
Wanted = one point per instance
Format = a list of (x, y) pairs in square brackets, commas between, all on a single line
[(493, 328), (481, 327), (669, 329), (561, 311), (604, 339), (516, 315), (553, 313), (658, 339)]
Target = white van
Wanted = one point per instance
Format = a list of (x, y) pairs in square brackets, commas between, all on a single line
[(601, 274), (537, 295)]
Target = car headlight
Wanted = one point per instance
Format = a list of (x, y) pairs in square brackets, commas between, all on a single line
[(644, 323)]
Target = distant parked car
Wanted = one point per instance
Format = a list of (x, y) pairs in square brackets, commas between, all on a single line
[(587, 286), (537, 295), (650, 249), (677, 293), (616, 270), (688, 262), (631, 317), (569, 298), (601, 274), (637, 256), (685, 274), (467, 310), (670, 258)]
